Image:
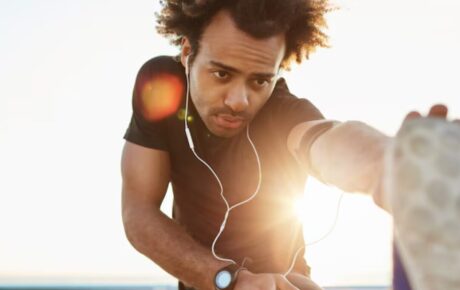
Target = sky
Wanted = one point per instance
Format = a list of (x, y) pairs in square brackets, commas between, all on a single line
[(67, 70)]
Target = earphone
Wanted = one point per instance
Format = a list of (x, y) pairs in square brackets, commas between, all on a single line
[(192, 147), (187, 65), (187, 130), (230, 208)]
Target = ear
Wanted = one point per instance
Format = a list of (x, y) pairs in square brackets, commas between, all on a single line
[(185, 50)]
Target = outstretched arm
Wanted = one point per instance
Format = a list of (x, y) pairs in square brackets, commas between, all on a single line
[(348, 155)]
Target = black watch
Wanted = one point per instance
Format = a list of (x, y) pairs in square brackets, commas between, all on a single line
[(226, 277)]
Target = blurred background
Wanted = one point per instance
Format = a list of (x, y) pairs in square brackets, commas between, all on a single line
[(67, 70)]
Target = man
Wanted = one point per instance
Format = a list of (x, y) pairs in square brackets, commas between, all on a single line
[(249, 138)]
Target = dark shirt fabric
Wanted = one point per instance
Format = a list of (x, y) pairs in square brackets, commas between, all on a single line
[(265, 230)]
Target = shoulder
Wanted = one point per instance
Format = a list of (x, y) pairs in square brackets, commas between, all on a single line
[(282, 96), (159, 89), (162, 64), (287, 110), (281, 91), (283, 99)]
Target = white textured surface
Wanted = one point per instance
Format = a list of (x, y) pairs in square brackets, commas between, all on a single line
[(424, 185)]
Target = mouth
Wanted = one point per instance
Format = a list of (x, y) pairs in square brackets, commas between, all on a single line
[(228, 121)]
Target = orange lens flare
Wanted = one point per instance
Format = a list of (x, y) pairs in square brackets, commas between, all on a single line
[(161, 96)]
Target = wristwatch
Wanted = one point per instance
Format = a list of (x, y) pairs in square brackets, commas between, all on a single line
[(226, 277)]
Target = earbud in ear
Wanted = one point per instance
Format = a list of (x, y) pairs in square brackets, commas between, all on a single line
[(186, 64)]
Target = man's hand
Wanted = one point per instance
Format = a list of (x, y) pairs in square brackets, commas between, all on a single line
[(436, 111), (250, 281)]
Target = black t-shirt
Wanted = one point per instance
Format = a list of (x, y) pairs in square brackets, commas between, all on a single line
[(266, 229)]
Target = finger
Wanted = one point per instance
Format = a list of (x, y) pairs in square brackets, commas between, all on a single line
[(283, 284), (412, 115), (438, 111)]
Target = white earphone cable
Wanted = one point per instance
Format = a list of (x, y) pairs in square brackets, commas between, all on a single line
[(331, 229), (230, 208), (192, 147)]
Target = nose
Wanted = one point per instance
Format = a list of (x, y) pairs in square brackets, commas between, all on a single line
[(237, 99)]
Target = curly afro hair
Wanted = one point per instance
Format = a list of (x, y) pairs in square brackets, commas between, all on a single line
[(302, 22)]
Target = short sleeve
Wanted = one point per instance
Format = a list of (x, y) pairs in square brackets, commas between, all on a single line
[(291, 110), (156, 96)]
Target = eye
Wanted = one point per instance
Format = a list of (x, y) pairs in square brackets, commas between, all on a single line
[(261, 82), (220, 74)]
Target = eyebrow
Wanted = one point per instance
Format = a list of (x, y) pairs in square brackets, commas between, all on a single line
[(235, 70)]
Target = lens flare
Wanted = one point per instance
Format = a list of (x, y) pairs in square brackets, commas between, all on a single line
[(299, 207), (161, 96), (181, 116)]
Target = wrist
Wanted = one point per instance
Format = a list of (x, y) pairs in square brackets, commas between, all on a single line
[(226, 277), (243, 273)]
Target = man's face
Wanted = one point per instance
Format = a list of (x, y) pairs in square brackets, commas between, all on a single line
[(233, 75)]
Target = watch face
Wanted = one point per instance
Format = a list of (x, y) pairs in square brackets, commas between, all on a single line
[(223, 279)]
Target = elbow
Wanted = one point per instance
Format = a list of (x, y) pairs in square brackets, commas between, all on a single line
[(130, 224), (140, 219), (135, 220)]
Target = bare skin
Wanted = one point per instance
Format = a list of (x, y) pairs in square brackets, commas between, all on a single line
[(145, 177), (233, 74), (232, 77), (249, 281), (350, 156)]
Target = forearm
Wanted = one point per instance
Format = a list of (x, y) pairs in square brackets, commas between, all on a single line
[(167, 244), (350, 156)]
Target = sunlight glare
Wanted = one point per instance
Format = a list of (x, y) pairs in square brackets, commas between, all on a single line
[(161, 96)]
